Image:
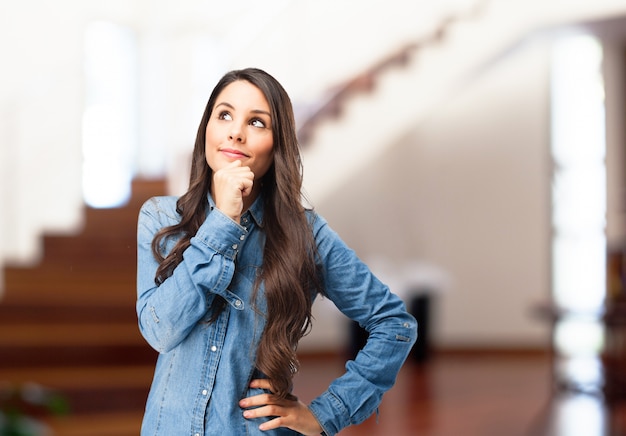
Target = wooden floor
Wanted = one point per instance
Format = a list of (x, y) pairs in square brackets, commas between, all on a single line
[(478, 394)]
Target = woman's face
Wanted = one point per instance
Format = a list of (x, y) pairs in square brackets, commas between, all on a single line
[(240, 128)]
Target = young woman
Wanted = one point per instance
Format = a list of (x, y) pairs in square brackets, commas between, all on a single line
[(227, 274)]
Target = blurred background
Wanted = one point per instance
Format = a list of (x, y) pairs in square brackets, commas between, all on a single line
[(472, 152)]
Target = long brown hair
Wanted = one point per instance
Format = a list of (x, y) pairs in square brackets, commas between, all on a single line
[(289, 270)]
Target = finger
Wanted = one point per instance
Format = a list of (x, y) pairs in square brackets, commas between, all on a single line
[(234, 173), (230, 184), (258, 400), (273, 424), (234, 164), (261, 383), (264, 411), (240, 178), (246, 187)]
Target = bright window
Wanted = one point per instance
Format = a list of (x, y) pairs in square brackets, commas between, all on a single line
[(579, 182), (578, 205), (110, 125)]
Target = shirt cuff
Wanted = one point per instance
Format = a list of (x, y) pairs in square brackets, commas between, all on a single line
[(330, 413), (221, 233)]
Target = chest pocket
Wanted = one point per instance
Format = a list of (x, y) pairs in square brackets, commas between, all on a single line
[(242, 286)]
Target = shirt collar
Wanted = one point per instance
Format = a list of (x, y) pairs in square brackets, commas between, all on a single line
[(256, 211)]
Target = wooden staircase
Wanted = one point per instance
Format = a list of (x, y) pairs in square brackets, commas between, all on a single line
[(69, 323)]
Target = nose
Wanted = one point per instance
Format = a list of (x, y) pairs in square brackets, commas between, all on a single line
[(236, 133)]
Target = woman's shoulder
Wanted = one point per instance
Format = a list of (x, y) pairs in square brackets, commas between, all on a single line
[(312, 216), (160, 208), (316, 221)]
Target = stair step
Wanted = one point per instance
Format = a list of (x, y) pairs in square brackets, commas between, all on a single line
[(143, 189), (12, 313), (70, 269), (47, 334), (117, 249), (55, 356), (74, 295), (69, 274), (69, 287), (97, 424), (90, 389), (82, 377)]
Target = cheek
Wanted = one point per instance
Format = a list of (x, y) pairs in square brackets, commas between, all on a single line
[(209, 138), (210, 146), (268, 154), (265, 160)]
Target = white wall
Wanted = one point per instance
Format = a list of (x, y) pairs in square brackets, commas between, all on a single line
[(40, 113), (467, 192), (614, 73)]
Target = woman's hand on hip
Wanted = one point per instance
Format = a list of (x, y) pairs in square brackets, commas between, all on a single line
[(292, 414)]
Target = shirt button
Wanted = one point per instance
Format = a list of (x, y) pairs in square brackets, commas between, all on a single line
[(237, 303), (406, 324), (242, 237), (204, 392), (235, 246), (213, 348)]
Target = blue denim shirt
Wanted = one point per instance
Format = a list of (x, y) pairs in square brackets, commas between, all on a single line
[(204, 368)]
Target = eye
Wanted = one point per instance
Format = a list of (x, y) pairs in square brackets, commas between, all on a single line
[(224, 115), (257, 122)]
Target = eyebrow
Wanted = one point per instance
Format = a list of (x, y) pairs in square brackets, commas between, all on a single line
[(255, 111)]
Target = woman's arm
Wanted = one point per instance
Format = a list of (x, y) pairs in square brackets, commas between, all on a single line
[(168, 312), (358, 294)]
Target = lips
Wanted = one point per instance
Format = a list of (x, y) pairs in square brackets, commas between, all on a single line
[(233, 153)]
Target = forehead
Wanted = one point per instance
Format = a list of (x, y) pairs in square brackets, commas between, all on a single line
[(242, 94)]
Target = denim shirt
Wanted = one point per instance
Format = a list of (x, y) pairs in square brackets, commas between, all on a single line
[(204, 368)]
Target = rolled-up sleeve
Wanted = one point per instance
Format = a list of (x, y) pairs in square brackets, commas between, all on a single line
[(357, 293), (168, 312)]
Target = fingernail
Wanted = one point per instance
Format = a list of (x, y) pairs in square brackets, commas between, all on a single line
[(246, 414)]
